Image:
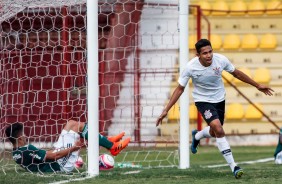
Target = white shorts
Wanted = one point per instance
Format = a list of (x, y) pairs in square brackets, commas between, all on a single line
[(67, 140)]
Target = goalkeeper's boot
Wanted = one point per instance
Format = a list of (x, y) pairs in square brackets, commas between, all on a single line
[(195, 142), (238, 172), (116, 138), (118, 146)]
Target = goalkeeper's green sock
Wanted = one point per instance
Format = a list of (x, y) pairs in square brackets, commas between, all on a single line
[(84, 133), (103, 141)]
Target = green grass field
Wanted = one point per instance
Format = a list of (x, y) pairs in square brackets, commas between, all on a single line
[(198, 172)]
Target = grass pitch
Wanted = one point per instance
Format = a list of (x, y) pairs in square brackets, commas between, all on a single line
[(199, 173)]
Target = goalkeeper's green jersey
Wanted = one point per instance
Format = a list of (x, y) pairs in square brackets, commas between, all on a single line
[(33, 159)]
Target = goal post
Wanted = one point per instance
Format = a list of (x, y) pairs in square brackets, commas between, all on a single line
[(184, 162), (92, 86)]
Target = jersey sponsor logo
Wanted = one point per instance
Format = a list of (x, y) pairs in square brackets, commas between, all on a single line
[(208, 114), (35, 156), (17, 156), (216, 70)]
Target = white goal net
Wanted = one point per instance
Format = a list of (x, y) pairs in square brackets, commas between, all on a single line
[(43, 74)]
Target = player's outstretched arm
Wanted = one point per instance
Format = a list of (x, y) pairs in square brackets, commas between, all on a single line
[(53, 155), (243, 77), (265, 89), (175, 96)]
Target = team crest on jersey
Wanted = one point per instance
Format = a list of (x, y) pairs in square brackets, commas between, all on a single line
[(216, 70), (208, 114)]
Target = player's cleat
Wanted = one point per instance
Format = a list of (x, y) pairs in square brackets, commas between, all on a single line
[(238, 172), (116, 138), (195, 142), (118, 146)]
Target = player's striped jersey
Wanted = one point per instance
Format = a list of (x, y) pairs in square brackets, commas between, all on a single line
[(33, 159)]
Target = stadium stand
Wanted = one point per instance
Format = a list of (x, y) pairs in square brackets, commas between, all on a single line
[(221, 6), (249, 41), (192, 41), (252, 112), (231, 41), (238, 7), (205, 6), (174, 115), (276, 76), (234, 111), (216, 41), (233, 96), (193, 112), (272, 5), (262, 75), (256, 7), (268, 41)]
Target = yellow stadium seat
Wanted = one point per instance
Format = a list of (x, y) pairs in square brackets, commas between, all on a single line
[(193, 112), (192, 41), (206, 6), (238, 7), (228, 76), (231, 41), (252, 112), (247, 72), (250, 41), (272, 5), (235, 111), (262, 75), (255, 6), (220, 5), (174, 114), (216, 41), (268, 41)]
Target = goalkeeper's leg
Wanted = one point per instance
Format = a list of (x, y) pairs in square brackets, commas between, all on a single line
[(114, 144)]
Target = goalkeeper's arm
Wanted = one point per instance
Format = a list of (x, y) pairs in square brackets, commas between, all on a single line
[(55, 155)]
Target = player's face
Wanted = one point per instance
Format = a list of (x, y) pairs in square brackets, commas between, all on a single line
[(205, 56), (23, 138)]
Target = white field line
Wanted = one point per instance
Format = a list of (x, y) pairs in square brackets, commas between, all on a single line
[(81, 179), (246, 162), (132, 172), (70, 180)]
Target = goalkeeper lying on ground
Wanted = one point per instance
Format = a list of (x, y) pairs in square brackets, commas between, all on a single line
[(66, 149)]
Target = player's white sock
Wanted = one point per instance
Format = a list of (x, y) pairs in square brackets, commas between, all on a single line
[(205, 133), (224, 148)]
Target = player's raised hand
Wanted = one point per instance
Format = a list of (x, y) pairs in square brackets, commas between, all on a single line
[(160, 118), (265, 89)]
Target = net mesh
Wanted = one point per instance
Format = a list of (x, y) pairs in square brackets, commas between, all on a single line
[(43, 73), (43, 69)]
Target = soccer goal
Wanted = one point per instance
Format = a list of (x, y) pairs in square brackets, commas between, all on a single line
[(43, 83)]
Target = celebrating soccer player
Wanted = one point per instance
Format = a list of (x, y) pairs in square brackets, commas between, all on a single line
[(209, 96)]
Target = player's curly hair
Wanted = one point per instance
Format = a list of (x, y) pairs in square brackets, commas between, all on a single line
[(13, 131), (202, 43)]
